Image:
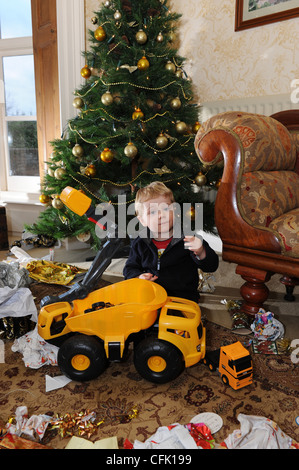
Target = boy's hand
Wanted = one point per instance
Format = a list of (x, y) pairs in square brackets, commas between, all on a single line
[(148, 276), (195, 244)]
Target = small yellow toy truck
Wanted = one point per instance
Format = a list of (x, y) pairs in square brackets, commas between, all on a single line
[(234, 364), (93, 327)]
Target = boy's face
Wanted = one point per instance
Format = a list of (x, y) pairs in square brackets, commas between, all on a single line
[(157, 215)]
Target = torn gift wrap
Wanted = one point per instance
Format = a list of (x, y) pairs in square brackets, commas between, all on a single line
[(33, 427), (13, 275), (17, 307), (36, 351), (257, 432), (266, 327), (17, 302)]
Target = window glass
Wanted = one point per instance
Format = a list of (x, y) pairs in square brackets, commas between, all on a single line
[(23, 152), (15, 19), (19, 85)]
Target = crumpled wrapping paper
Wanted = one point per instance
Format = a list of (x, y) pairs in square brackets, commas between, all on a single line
[(17, 302), (36, 351), (257, 432), (12, 275), (206, 282), (178, 436), (266, 327), (51, 273), (45, 270), (33, 427), (17, 306)]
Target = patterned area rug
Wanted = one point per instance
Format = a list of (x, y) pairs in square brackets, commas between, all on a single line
[(132, 408)]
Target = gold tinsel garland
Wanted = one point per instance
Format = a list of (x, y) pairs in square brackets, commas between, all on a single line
[(130, 183)]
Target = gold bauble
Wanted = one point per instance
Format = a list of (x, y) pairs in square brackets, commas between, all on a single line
[(107, 155), (141, 37), (51, 171), (78, 102), (172, 36), (200, 179), (143, 63), (44, 198), (170, 67), (130, 150), (100, 34), (160, 37), (196, 127), (57, 203), (138, 114), (94, 20), (175, 103), (181, 127), (107, 98), (77, 151), (161, 141), (85, 72), (179, 73), (59, 173), (90, 171)]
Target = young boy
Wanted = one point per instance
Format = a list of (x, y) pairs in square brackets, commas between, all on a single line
[(158, 255)]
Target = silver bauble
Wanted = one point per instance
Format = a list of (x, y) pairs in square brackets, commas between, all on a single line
[(141, 37), (130, 150)]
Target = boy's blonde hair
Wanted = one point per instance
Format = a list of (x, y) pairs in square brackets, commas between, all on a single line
[(153, 190)]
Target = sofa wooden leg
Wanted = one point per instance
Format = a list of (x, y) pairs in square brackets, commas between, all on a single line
[(290, 283), (254, 292)]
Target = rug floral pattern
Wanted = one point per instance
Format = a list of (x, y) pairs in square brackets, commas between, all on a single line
[(274, 394)]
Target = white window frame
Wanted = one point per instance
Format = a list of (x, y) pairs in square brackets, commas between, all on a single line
[(10, 48), (71, 43)]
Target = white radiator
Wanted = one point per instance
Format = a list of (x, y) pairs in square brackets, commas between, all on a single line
[(265, 105)]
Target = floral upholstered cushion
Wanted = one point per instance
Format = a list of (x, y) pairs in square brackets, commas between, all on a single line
[(287, 226), (265, 195), (270, 199), (268, 180)]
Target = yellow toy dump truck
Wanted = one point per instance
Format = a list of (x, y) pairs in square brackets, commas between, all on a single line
[(93, 327), (98, 328)]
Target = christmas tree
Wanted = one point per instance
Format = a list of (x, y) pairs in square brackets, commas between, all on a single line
[(136, 121)]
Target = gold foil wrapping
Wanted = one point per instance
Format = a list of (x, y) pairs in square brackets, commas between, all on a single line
[(52, 273)]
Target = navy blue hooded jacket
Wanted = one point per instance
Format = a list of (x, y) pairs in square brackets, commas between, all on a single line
[(177, 268)]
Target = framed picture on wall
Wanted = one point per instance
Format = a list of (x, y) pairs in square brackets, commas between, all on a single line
[(253, 13)]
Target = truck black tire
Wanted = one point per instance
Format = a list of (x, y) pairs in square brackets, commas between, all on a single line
[(209, 364), (82, 358), (224, 380), (158, 361)]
